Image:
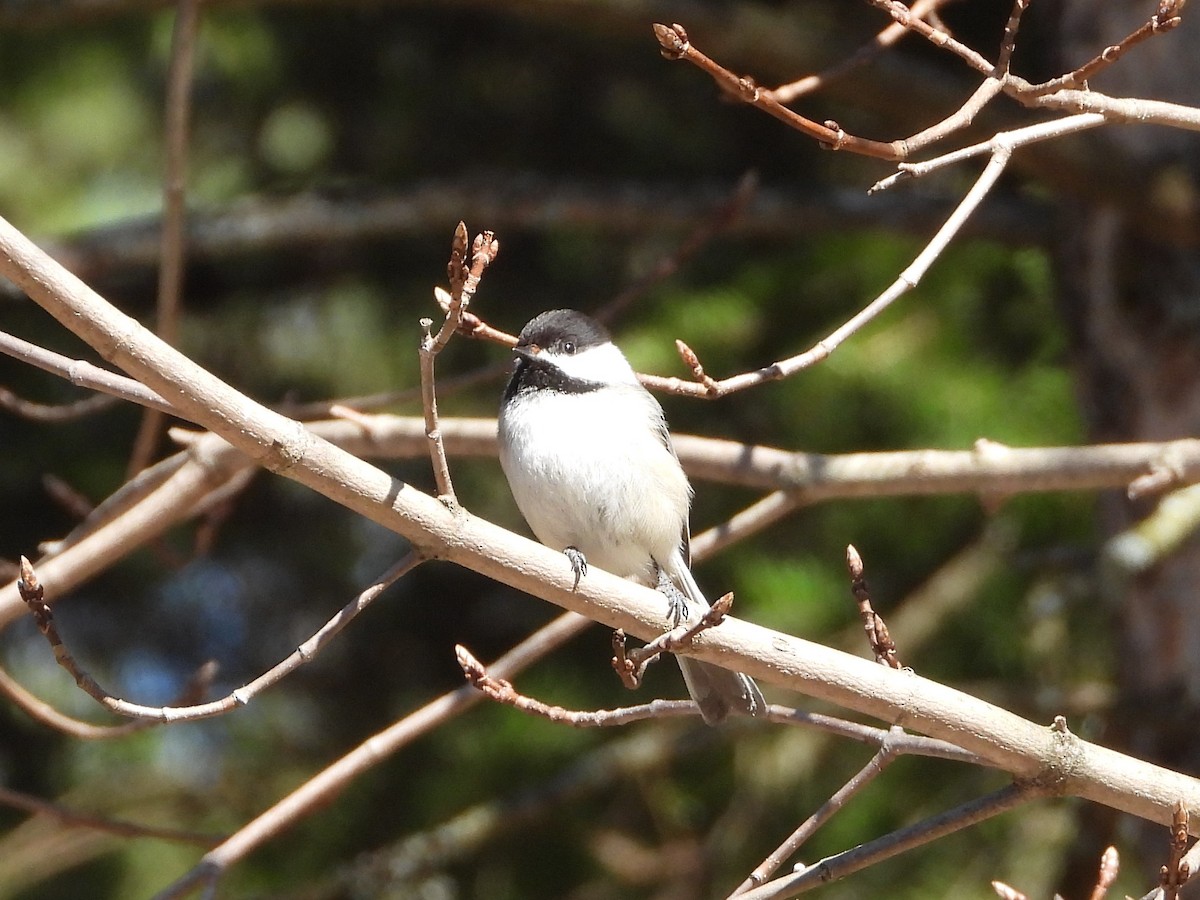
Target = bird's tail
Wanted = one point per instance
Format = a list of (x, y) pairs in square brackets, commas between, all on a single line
[(718, 692)]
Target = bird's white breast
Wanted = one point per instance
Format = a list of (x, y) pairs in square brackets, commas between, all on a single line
[(589, 470)]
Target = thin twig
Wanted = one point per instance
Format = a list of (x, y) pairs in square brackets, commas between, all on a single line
[(74, 819), (464, 279), (842, 864), (65, 412), (174, 226), (758, 516), (1110, 867), (786, 93), (1174, 874), (32, 593), (1165, 18), (721, 218), (906, 17), (82, 373), (907, 280), (316, 793), (674, 44), (47, 715), (899, 742), (902, 742), (1009, 43), (885, 756), (631, 666), (501, 691), (877, 633)]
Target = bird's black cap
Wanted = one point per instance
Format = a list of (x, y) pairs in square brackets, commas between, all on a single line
[(563, 331)]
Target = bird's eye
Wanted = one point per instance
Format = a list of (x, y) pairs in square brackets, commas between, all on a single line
[(569, 348)]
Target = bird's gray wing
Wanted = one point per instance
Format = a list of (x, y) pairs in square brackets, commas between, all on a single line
[(664, 435)]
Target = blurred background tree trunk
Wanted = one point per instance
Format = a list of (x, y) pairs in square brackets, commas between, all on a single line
[(1129, 278)]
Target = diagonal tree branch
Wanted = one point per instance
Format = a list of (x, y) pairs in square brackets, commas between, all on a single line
[(1053, 758)]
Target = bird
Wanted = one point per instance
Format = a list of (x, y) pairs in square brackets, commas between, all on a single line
[(589, 460)]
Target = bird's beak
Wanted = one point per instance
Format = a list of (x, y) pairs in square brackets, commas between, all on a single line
[(527, 351)]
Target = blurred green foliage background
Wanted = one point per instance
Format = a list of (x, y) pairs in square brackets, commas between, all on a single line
[(350, 103)]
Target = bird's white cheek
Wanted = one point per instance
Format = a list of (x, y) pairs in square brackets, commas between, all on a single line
[(604, 365)]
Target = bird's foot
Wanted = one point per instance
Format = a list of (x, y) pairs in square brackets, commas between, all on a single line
[(677, 606), (578, 564)]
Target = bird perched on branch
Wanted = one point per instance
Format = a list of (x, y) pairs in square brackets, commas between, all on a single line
[(589, 459)]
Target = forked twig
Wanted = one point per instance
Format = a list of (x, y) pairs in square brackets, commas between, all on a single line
[(1165, 18), (464, 277), (847, 862), (501, 691), (868, 773), (895, 740), (674, 43), (630, 665), (707, 387)]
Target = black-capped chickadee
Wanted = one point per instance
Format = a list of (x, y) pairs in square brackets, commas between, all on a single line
[(589, 460)]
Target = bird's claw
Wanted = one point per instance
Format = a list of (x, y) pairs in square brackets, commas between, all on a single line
[(677, 607), (578, 564), (677, 604)]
